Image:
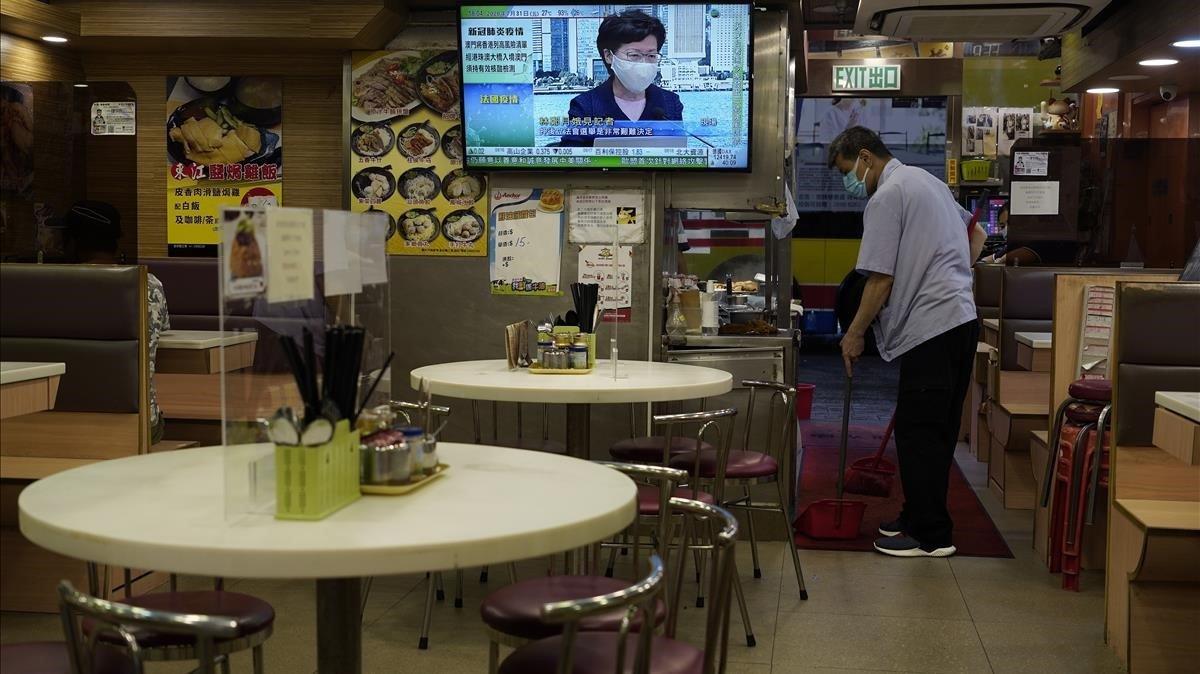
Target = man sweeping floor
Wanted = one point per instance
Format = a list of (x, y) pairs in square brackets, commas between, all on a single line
[(916, 254)]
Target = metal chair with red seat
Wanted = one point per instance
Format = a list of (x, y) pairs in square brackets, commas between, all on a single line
[(113, 645), (745, 468), (648, 449), (583, 652), (512, 615), (1079, 468), (255, 620)]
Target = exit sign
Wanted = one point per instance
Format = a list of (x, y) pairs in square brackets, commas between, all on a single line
[(866, 78)]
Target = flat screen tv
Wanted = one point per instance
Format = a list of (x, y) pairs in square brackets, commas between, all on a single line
[(646, 87)]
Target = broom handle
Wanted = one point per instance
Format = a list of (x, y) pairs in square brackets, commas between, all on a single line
[(845, 432), (887, 435)]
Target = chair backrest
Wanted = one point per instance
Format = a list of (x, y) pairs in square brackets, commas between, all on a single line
[(988, 279), (426, 414), (705, 423), (780, 411), (637, 598), (1156, 349), (722, 530), (665, 479), (120, 620)]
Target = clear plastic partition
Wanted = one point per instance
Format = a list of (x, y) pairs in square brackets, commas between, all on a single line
[(304, 294)]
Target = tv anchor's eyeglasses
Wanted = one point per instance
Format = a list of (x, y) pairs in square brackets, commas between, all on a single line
[(640, 57)]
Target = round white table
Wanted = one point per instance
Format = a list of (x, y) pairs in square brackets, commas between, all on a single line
[(166, 512), (638, 382)]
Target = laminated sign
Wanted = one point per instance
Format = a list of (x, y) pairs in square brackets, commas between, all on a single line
[(525, 241)]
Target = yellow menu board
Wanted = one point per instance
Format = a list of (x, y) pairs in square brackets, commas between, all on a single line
[(224, 148), (406, 153)]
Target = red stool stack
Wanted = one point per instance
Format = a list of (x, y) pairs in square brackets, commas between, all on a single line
[(1079, 467)]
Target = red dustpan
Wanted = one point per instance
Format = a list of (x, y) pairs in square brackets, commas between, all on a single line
[(835, 518), (873, 475)]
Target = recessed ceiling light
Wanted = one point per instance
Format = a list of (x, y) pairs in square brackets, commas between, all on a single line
[(1129, 78), (1190, 43), (1158, 62), (1103, 90), (81, 86), (54, 38)]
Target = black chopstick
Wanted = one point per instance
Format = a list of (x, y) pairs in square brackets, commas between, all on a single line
[(371, 389)]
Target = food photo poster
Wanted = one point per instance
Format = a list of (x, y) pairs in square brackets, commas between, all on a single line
[(406, 153), (224, 140)]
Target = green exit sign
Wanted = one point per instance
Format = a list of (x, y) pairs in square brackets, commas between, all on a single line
[(866, 78)]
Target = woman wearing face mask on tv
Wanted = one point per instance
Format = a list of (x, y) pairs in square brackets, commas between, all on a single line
[(629, 42)]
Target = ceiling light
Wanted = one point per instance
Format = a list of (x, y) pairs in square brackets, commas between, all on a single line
[(1103, 90), (81, 86), (54, 38), (1190, 43), (1158, 62), (1130, 78)]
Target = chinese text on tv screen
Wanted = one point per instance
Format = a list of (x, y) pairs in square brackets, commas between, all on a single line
[(606, 86)]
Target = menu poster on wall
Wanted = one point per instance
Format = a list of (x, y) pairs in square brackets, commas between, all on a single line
[(979, 132), (224, 148), (592, 215), (16, 138), (114, 118), (616, 281), (525, 241), (406, 152)]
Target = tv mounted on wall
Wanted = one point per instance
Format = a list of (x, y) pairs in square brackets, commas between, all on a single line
[(644, 87)]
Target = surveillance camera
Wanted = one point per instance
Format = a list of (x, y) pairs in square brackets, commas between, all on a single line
[(1168, 92)]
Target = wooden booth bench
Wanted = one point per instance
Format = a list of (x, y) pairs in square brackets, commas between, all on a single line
[(1152, 593), (93, 321)]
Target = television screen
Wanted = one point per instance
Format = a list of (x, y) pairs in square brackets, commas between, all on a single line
[(606, 86)]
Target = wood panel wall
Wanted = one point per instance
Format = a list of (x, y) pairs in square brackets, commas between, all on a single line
[(24, 60), (312, 124)]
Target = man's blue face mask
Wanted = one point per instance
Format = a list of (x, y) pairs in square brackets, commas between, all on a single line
[(855, 186)]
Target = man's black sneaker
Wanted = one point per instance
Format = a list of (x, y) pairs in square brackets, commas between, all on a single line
[(904, 546), (893, 528)]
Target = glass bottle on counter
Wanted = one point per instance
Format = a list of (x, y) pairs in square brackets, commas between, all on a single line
[(676, 323), (579, 353)]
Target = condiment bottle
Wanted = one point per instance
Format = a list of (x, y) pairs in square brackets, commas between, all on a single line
[(414, 437), (545, 340), (579, 353)]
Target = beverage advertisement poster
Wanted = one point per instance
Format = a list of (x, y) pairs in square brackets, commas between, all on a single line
[(224, 148), (406, 153), (245, 254), (595, 216), (525, 241)]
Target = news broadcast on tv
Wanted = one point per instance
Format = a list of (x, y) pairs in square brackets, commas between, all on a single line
[(606, 86)]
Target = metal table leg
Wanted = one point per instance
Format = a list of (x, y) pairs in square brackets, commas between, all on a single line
[(339, 627), (579, 426)]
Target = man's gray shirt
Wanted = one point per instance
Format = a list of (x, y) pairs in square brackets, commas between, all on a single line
[(915, 232)]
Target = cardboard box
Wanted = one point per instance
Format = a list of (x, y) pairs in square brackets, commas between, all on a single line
[(1177, 435)]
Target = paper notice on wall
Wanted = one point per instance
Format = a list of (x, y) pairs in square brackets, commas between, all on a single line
[(373, 244), (1014, 123), (243, 251), (616, 281), (979, 132), (1031, 164), (1034, 198), (342, 253), (290, 240), (592, 214), (114, 118), (525, 236)]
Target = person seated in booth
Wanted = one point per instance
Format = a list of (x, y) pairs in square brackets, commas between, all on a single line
[(629, 43), (93, 230)]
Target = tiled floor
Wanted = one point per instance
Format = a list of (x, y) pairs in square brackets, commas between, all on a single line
[(866, 613)]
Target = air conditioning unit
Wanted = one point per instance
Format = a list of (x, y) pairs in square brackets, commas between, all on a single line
[(961, 20)]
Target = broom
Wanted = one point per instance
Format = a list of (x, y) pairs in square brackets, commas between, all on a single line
[(873, 475)]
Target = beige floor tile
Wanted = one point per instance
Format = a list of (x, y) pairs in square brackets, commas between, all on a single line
[(863, 594), (877, 642), (1026, 647), (692, 630), (1033, 598)]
